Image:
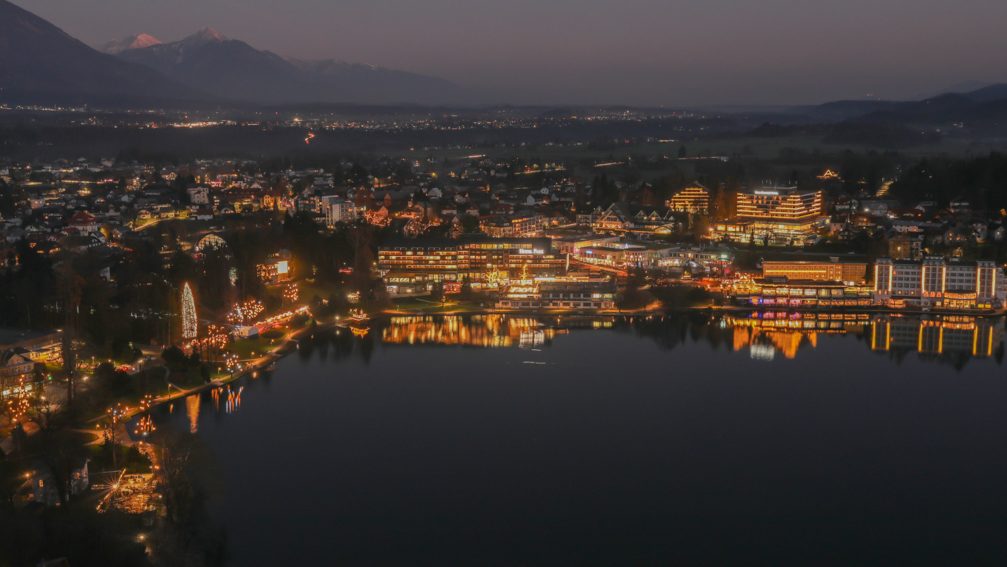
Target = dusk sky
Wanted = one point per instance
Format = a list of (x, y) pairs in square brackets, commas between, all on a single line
[(644, 52)]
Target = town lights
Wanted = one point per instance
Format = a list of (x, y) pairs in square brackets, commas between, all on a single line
[(291, 293), (245, 312)]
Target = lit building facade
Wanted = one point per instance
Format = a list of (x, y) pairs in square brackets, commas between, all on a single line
[(832, 270), (803, 294), (276, 270), (774, 216), (483, 263), (338, 210), (514, 227), (692, 200), (559, 295), (938, 283)]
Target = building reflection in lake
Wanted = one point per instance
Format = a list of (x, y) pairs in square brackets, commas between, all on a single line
[(488, 331), (976, 336), (766, 335), (769, 334), (192, 411)]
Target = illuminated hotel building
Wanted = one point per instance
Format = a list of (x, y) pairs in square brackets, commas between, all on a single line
[(832, 270), (518, 226), (774, 216), (790, 294), (559, 295), (693, 200), (482, 262), (807, 283), (935, 282)]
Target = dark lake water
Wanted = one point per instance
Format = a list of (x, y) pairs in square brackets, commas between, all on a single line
[(687, 439)]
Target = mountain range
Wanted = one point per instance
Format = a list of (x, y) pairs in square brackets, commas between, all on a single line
[(42, 64), (234, 70), (984, 105), (138, 41)]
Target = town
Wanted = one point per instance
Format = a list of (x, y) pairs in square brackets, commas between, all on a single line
[(141, 286)]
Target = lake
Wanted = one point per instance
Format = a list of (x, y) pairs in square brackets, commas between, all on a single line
[(702, 438)]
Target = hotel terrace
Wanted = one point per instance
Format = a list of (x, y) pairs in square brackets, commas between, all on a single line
[(774, 216)]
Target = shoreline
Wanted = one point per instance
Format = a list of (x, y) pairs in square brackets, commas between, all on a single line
[(284, 349), (698, 308)]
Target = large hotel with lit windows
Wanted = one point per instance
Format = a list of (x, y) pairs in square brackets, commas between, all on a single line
[(693, 200), (938, 283), (484, 262), (810, 280), (774, 216)]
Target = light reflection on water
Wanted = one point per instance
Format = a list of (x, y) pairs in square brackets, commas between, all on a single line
[(765, 336), (433, 425)]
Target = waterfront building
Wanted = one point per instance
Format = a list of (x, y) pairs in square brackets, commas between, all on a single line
[(622, 255), (559, 295), (774, 216), (939, 283), (780, 292), (483, 262), (695, 259), (694, 199), (832, 269)]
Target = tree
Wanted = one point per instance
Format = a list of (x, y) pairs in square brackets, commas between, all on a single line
[(437, 292), (70, 284), (633, 295)]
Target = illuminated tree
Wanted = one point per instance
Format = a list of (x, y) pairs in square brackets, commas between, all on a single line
[(245, 312), (19, 402), (190, 324)]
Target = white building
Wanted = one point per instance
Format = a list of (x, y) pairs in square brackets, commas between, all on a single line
[(338, 210), (199, 195), (936, 282)]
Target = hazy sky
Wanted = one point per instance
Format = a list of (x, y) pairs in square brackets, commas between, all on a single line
[(670, 52)]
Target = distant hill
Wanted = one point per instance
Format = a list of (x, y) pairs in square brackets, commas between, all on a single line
[(845, 109), (39, 63), (983, 109), (989, 93), (235, 70)]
